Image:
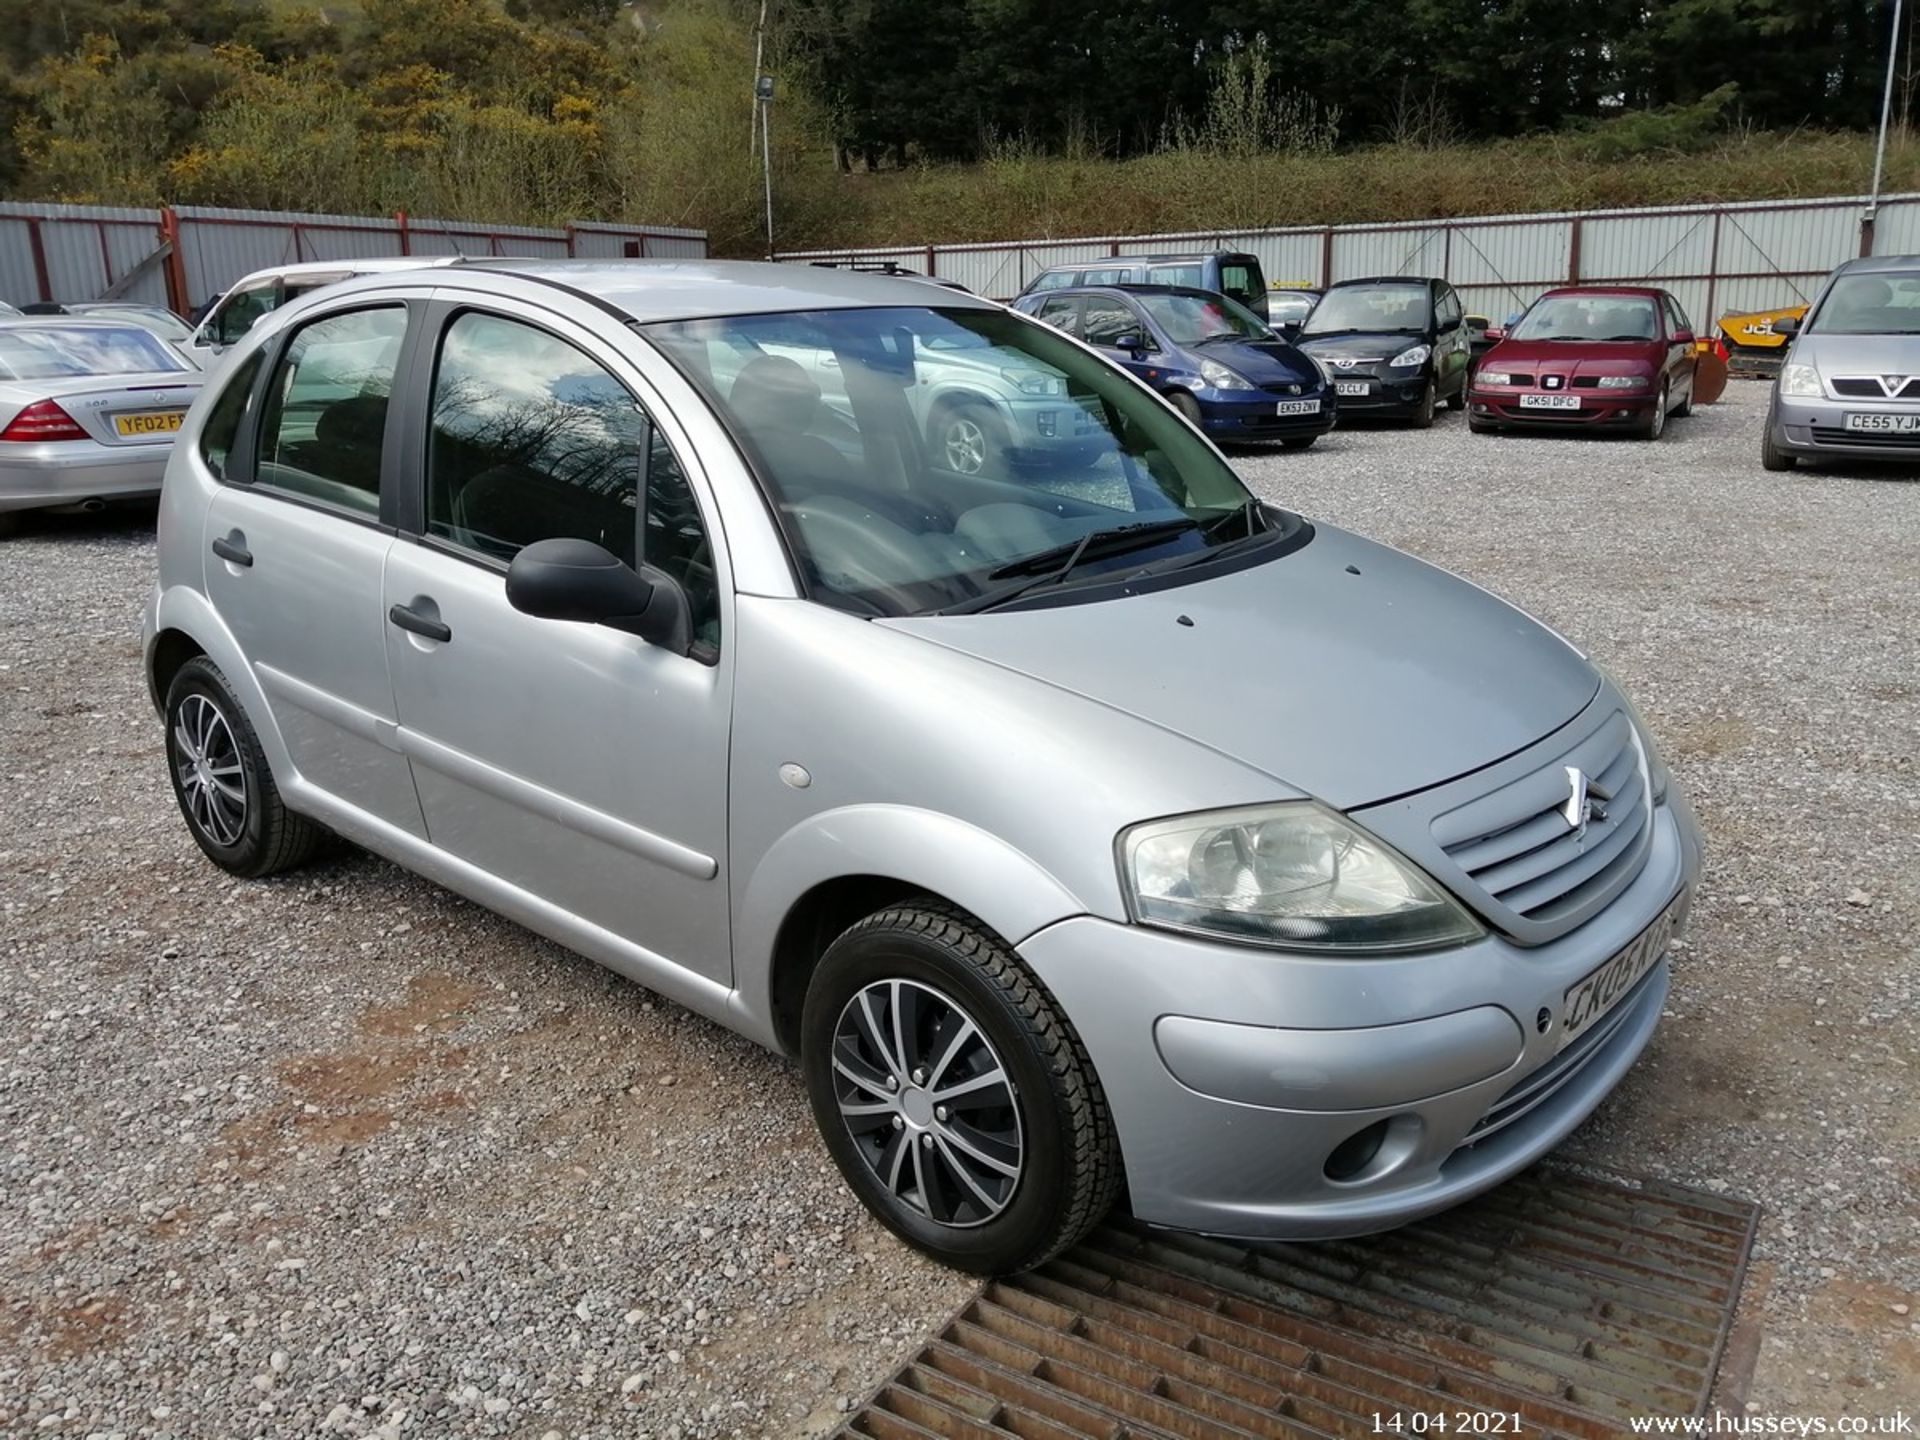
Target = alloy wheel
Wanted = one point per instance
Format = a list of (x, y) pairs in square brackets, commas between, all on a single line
[(929, 1105), (966, 445), (207, 762)]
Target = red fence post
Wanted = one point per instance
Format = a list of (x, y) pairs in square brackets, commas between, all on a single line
[(570, 254), (106, 253), (1326, 257), (1713, 267), (178, 300), (39, 247), (406, 234), (1573, 252)]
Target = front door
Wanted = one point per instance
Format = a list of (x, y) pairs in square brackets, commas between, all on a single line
[(295, 552), (574, 761), (1106, 321)]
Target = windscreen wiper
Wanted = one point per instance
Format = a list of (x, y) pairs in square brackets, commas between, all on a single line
[(1248, 512), (1116, 541)]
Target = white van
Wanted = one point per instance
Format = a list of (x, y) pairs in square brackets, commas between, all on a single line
[(241, 307)]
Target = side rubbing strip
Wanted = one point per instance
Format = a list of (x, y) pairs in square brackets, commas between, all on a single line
[(558, 808)]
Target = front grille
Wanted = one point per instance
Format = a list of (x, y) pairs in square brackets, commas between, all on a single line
[(1877, 439), (1516, 847), (1536, 1089), (1869, 387)]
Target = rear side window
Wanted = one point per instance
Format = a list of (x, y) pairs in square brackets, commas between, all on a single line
[(229, 409), (1062, 313), (323, 433), (1192, 276)]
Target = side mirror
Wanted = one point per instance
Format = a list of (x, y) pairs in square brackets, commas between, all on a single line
[(566, 579), (1788, 325), (1131, 343), (1683, 337), (1288, 330), (1496, 332)]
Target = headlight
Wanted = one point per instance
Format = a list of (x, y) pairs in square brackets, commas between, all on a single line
[(1802, 382), (1221, 378), (1411, 356), (1036, 382), (1493, 377), (1293, 875), (1623, 382)]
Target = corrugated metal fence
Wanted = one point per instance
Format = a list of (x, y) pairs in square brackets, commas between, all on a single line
[(1715, 258), (178, 256)]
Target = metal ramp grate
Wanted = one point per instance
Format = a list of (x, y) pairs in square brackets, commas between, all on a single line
[(1572, 1302)]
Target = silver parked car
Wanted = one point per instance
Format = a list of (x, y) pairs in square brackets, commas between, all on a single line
[(88, 409), (1849, 387), (1068, 822)]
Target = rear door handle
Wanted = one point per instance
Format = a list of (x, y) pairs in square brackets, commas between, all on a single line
[(233, 551), (418, 624)]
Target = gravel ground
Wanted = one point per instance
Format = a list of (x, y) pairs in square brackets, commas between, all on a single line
[(341, 1154)]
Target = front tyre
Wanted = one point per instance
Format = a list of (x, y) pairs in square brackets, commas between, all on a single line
[(1422, 418), (969, 439), (953, 1095), (1772, 457), (1656, 423), (222, 782)]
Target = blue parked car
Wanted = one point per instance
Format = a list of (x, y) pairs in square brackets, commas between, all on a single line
[(1214, 359)]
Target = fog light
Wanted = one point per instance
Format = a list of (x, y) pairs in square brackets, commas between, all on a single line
[(1047, 423), (1356, 1152)]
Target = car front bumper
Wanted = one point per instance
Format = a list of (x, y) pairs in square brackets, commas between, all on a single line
[(1390, 394), (1818, 428), (1231, 415), (72, 472), (1281, 1058), (1599, 410)]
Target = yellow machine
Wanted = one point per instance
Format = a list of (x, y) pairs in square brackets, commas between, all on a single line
[(1753, 346)]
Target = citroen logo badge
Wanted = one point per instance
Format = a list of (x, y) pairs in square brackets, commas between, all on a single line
[(1586, 801)]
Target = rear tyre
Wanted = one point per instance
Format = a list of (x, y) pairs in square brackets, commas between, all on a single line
[(1772, 457), (969, 439), (953, 1095), (222, 782), (1298, 442), (1423, 411)]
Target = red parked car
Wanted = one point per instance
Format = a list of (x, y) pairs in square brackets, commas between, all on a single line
[(1613, 357)]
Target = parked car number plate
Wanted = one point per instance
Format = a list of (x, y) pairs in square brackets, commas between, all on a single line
[(1549, 402), (1590, 998), (1350, 387), (160, 422), (1297, 407), (1894, 424)]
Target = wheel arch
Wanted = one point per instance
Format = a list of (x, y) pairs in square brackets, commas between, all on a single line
[(185, 624)]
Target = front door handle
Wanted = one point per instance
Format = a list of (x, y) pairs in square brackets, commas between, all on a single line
[(232, 549), (418, 624)]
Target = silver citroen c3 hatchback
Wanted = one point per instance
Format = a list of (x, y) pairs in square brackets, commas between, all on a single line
[(1074, 820)]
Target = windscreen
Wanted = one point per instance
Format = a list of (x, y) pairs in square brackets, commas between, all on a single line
[(1195, 319), (1870, 305), (923, 459), (1356, 309), (41, 352), (1590, 317)]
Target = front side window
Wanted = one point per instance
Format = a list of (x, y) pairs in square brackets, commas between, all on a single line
[(1447, 312), (47, 352), (1394, 307), (241, 310), (1870, 304), (1196, 319), (533, 439), (1074, 471), (229, 409), (323, 433), (1676, 317), (1589, 317)]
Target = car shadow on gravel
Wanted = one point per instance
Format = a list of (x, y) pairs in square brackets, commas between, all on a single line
[(127, 518)]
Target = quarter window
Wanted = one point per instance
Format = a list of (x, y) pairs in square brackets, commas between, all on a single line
[(324, 430), (532, 439), (223, 421)]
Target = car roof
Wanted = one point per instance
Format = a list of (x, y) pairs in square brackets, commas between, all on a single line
[(377, 266), (1109, 262), (650, 290), (1649, 292), (1134, 288), (1386, 280), (1883, 263)]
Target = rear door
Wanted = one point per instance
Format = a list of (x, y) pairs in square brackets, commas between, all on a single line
[(1241, 278), (296, 549), (1453, 342)]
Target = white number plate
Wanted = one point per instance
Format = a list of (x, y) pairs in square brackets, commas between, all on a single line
[(1350, 387), (1549, 402), (1297, 407), (1890, 424), (1601, 990)]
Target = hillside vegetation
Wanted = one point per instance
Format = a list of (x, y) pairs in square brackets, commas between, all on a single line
[(955, 120)]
